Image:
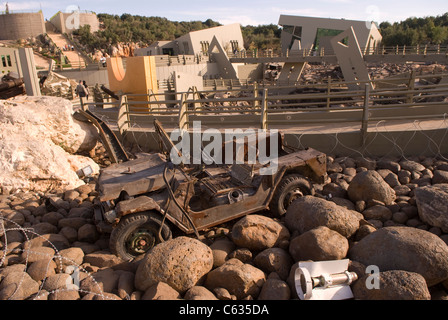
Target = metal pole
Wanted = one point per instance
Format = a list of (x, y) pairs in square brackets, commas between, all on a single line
[(264, 110), (365, 114)]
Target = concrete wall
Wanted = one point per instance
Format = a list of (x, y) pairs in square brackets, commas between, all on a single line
[(92, 77), (62, 19), (184, 81), (250, 71), (346, 144), (14, 26), (208, 70)]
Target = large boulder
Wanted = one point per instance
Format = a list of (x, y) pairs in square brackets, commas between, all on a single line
[(307, 213), (369, 185), (69, 257), (238, 278), (393, 285), (199, 293), (377, 212), (57, 281), (47, 240), (257, 232), (432, 205), (440, 176), (181, 263), (275, 289), (126, 284), (41, 269), (411, 165), (102, 259), (274, 260), (221, 249), (39, 139), (404, 248), (319, 244), (17, 286), (161, 291)]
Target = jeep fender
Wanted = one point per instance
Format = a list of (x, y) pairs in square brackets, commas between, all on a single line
[(139, 204)]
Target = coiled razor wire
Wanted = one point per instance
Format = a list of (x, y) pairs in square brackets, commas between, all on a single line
[(70, 286)]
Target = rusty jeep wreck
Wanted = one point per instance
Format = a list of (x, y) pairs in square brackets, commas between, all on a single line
[(141, 200)]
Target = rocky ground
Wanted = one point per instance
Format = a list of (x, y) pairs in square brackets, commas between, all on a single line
[(316, 72), (388, 213)]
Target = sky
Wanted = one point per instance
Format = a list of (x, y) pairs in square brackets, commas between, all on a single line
[(245, 12)]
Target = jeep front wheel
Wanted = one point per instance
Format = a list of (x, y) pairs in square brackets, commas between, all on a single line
[(135, 234), (290, 188)]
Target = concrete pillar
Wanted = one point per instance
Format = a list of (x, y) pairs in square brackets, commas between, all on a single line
[(29, 73)]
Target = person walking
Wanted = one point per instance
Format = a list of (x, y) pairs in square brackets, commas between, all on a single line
[(81, 91), (86, 89)]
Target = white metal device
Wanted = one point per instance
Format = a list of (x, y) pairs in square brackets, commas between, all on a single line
[(324, 280)]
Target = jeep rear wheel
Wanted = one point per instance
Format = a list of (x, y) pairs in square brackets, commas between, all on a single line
[(135, 234), (289, 189)]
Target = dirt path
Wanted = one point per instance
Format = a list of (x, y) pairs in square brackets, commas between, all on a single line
[(75, 58)]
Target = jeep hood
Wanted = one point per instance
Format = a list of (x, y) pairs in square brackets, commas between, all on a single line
[(135, 177)]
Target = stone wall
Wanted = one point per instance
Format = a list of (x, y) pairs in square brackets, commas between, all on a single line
[(61, 18), (21, 25)]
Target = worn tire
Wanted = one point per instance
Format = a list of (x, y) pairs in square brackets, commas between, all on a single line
[(134, 229), (290, 188)]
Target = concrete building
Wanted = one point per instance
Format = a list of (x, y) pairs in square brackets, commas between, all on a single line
[(9, 61), (201, 53), (15, 26), (197, 42), (67, 22), (308, 33), (156, 49)]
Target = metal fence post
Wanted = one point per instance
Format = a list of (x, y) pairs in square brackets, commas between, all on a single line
[(123, 120), (365, 114), (256, 94), (183, 115), (328, 93), (264, 110), (411, 87)]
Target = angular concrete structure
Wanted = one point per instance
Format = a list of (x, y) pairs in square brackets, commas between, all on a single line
[(306, 33)]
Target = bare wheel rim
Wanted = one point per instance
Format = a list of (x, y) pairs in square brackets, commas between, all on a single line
[(140, 241)]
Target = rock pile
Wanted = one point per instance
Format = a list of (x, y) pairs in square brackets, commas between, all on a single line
[(389, 213), (314, 73), (40, 142)]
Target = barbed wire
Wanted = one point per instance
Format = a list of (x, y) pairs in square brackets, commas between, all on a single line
[(395, 143), (400, 143), (70, 283)]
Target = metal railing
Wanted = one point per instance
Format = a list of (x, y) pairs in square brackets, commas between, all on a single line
[(182, 59), (322, 52), (263, 107), (19, 11)]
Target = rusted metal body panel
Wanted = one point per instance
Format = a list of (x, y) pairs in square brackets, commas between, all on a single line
[(139, 204)]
